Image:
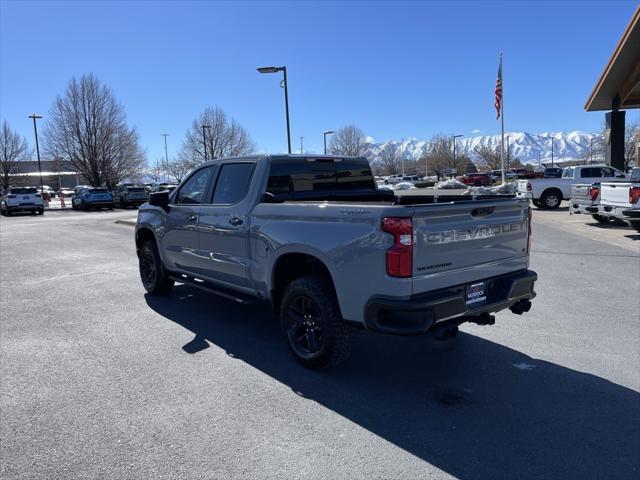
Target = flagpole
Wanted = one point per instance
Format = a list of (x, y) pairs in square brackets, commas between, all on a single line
[(502, 119)]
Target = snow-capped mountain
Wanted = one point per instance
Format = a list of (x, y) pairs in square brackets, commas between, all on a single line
[(527, 147)]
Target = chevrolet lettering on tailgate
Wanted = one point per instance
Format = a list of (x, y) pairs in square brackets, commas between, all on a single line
[(474, 233)]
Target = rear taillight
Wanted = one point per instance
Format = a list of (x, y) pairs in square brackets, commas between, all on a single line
[(400, 255), (634, 195), (530, 214), (593, 193), (529, 187)]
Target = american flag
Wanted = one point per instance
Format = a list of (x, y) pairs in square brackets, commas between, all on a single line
[(499, 91)]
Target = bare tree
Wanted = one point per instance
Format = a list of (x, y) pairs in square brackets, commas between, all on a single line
[(349, 141), (87, 127), (224, 138), (179, 167), (388, 159), (13, 150), (440, 156), (490, 155), (631, 142)]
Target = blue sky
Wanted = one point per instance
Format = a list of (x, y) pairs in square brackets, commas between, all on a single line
[(395, 69)]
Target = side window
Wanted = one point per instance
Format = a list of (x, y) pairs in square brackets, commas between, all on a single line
[(568, 173), (591, 172), (608, 172), (194, 189), (233, 183)]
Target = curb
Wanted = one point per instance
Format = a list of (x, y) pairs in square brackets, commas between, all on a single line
[(126, 222)]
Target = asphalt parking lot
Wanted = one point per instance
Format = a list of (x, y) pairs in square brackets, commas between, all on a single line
[(100, 380)]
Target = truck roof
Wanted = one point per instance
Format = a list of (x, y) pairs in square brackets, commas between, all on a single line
[(283, 157)]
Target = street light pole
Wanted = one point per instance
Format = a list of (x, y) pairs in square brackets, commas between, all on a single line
[(35, 131), (551, 152), (204, 140), (166, 154), (301, 146), (324, 134), (282, 69), (454, 149), (402, 148)]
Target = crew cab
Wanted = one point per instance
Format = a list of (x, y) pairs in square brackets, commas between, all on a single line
[(313, 236), (621, 200), (549, 192), (585, 198), (25, 199), (130, 196)]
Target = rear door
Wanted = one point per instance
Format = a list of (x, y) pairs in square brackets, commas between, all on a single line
[(180, 240), (468, 241), (224, 225)]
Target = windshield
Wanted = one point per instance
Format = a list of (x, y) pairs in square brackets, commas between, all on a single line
[(23, 191)]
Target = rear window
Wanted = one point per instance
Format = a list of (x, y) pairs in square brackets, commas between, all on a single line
[(298, 179), (635, 175), (23, 191), (98, 190)]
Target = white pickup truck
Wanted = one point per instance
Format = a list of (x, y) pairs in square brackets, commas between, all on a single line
[(621, 200), (549, 192)]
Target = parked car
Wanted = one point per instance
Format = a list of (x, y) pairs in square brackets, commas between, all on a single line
[(412, 178), (552, 172), (92, 197), (67, 192), (393, 179), (621, 200), (476, 179), (585, 198), (130, 196), (21, 199), (165, 188), (398, 265), (496, 175), (549, 192)]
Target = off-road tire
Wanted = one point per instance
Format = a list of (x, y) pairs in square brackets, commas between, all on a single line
[(551, 199), (40, 211), (600, 218), (157, 281), (335, 342)]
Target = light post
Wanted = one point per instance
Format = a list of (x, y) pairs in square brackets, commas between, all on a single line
[(204, 139), (454, 149), (35, 131), (166, 154), (551, 152), (426, 160), (282, 69), (301, 145), (402, 148), (324, 134)]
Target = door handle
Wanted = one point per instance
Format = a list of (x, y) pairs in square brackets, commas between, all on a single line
[(235, 221), (192, 218)]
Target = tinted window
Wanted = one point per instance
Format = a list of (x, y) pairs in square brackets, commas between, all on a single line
[(233, 183), (192, 192), (136, 189), (289, 178), (591, 172), (23, 191), (635, 175)]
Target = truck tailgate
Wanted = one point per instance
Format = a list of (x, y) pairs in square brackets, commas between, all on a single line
[(615, 193), (467, 241), (580, 193)]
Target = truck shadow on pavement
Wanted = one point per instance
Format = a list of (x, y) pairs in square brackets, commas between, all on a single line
[(472, 407)]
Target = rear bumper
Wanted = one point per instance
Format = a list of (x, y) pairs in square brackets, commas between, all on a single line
[(579, 208), (99, 203), (419, 313), (527, 195), (632, 214), (25, 207)]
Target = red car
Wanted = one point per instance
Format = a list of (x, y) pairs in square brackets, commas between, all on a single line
[(476, 179)]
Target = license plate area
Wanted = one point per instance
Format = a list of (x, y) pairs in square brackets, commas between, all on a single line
[(476, 293)]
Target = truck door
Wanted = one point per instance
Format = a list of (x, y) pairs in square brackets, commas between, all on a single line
[(180, 239), (224, 226)]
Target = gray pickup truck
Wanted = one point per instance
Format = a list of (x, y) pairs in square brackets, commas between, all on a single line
[(315, 237)]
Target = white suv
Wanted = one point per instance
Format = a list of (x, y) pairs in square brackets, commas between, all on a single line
[(25, 199)]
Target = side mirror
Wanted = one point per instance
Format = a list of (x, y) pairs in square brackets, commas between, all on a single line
[(159, 199), (268, 197)]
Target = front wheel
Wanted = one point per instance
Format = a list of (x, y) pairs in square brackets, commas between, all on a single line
[(155, 278), (600, 218), (41, 211), (316, 334), (551, 200)]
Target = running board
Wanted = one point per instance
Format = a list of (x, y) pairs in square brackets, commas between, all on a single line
[(215, 290)]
